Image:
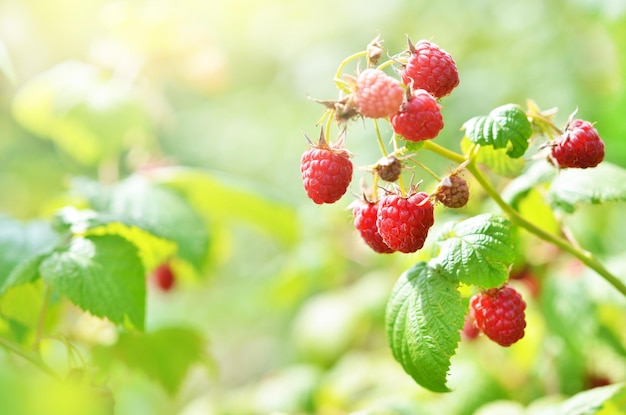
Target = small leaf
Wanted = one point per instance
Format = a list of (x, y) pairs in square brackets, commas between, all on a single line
[(505, 127), (603, 183), (165, 355), (592, 401), (477, 251), (100, 274), (21, 241), (424, 315), (497, 160), (23, 303)]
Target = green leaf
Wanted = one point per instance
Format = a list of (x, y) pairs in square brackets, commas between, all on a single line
[(497, 160), (593, 401), (6, 64), (223, 200), (21, 241), (505, 127), (23, 303), (424, 315), (603, 183), (152, 249), (157, 210), (477, 251), (101, 274), (86, 112), (165, 355), (412, 146), (537, 173)]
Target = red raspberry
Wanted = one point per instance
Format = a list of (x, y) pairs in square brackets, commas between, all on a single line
[(430, 68), (365, 214), (452, 192), (377, 94), (163, 277), (580, 146), (499, 313), (419, 117), (326, 172), (403, 222)]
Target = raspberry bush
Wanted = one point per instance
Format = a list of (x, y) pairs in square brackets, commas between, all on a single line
[(461, 282)]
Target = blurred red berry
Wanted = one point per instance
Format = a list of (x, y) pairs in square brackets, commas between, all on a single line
[(163, 277), (377, 94), (365, 214)]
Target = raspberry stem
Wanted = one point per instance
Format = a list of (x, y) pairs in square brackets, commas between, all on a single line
[(584, 256), (341, 84), (33, 358)]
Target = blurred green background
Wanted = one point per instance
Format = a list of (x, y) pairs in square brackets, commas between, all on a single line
[(225, 86)]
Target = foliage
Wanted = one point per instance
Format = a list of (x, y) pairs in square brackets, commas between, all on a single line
[(135, 135)]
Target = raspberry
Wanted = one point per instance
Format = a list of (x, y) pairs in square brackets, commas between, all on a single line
[(403, 222), (163, 277), (430, 68), (469, 331), (452, 192), (419, 117), (377, 95), (365, 213), (499, 313), (580, 146), (389, 168), (326, 172)]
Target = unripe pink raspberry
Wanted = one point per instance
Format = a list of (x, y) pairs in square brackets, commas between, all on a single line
[(377, 95)]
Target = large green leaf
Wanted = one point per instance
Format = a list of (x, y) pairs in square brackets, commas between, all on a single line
[(156, 209), (537, 173), (165, 355), (20, 241), (477, 251), (225, 201), (603, 183), (101, 274), (424, 315), (505, 127), (153, 250)]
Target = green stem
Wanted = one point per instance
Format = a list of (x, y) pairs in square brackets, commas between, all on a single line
[(31, 357), (42, 318), (341, 84), (383, 150), (584, 256)]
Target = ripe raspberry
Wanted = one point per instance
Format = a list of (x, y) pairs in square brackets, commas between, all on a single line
[(163, 277), (430, 68), (326, 172), (499, 313), (580, 146), (365, 214), (452, 192), (377, 95), (403, 222), (419, 117)]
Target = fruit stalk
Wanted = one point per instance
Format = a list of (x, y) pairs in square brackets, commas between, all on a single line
[(31, 357), (584, 256)]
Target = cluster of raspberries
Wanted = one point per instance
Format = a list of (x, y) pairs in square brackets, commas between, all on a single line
[(394, 222)]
